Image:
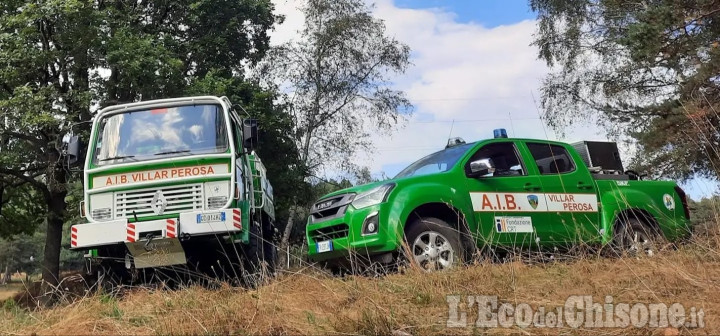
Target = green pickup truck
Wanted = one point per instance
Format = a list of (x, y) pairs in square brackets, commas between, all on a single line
[(497, 193)]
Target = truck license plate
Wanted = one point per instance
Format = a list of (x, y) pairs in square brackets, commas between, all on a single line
[(211, 217), (324, 246)]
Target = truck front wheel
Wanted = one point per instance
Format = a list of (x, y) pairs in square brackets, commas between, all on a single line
[(433, 245)]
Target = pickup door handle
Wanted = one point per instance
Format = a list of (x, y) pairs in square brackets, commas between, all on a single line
[(530, 186), (582, 185)]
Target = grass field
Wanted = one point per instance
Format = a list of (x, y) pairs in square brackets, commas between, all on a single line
[(10, 290), (309, 301)]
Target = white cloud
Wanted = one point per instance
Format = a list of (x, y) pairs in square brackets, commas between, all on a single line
[(484, 78), (480, 77)]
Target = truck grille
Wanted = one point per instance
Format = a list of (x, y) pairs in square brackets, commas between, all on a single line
[(331, 232), (179, 198)]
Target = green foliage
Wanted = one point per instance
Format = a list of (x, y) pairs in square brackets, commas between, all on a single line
[(19, 209), (705, 215), (22, 253), (647, 70)]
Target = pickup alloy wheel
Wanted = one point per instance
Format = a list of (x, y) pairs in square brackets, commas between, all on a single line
[(434, 245), (637, 239)]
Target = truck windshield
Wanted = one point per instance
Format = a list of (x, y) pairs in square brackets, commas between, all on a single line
[(437, 162), (161, 133)]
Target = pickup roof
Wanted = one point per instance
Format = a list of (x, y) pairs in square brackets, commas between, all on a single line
[(500, 192)]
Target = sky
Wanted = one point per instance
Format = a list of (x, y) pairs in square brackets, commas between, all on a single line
[(474, 70)]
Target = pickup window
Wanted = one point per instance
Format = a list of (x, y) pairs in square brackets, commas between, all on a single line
[(551, 159), (503, 156), (438, 162)]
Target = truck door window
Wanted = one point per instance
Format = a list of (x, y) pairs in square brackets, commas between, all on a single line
[(503, 156), (551, 159), (235, 123)]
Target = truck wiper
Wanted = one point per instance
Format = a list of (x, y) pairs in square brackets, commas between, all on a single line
[(118, 158), (174, 152)]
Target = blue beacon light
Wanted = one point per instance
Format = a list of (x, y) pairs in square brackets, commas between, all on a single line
[(500, 133)]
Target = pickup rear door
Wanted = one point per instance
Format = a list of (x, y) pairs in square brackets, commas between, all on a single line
[(570, 194), (505, 202)]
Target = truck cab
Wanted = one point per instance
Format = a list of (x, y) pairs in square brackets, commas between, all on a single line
[(174, 182), (500, 192)]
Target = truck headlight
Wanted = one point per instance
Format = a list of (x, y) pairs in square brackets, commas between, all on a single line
[(373, 196), (216, 194), (101, 206)]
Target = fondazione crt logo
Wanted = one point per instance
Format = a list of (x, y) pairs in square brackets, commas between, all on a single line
[(579, 311)]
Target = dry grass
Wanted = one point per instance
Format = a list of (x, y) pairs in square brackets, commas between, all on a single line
[(312, 302)]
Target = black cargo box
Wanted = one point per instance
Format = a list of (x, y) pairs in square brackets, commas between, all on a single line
[(600, 154)]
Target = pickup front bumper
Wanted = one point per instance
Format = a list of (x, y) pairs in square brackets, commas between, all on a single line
[(343, 236), (92, 235)]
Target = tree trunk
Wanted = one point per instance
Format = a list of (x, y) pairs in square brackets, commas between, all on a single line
[(6, 275), (285, 241), (53, 239), (55, 200)]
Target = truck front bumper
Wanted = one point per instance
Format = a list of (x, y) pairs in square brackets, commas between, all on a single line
[(92, 235)]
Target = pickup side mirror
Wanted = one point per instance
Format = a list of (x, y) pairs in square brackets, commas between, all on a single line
[(480, 168), (73, 153), (250, 133)]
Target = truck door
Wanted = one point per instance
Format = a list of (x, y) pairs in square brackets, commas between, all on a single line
[(570, 194), (506, 201)]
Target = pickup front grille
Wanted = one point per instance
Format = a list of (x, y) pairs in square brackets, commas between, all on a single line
[(331, 207), (181, 198), (330, 232)]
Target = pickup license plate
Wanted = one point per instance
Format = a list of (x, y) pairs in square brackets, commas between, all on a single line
[(324, 246), (211, 217)]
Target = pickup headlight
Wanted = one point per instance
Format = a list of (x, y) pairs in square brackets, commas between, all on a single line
[(373, 196)]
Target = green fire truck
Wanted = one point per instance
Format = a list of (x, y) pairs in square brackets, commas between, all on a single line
[(497, 194), (175, 182)]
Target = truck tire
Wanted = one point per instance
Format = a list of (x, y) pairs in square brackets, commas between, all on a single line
[(433, 245), (270, 253), (260, 254), (635, 238)]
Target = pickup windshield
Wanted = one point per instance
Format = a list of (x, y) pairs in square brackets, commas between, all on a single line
[(161, 133), (438, 162)]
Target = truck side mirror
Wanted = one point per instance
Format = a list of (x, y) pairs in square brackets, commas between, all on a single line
[(73, 153), (480, 168), (250, 133)]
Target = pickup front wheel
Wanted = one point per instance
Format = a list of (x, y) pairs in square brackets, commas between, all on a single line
[(433, 245)]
